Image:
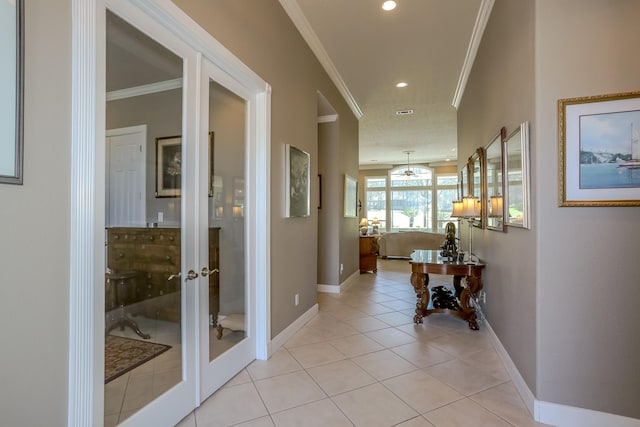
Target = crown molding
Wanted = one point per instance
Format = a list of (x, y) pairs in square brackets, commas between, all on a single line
[(476, 37), (292, 9), (145, 89)]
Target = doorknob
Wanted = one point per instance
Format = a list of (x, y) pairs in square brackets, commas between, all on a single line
[(191, 275), (206, 272)]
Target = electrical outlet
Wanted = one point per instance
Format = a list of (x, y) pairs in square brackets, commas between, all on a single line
[(160, 216), (341, 268), (296, 299), (483, 297)]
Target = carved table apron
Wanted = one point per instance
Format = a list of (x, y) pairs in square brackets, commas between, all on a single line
[(424, 262)]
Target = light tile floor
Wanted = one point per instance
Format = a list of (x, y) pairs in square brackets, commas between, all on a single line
[(362, 362)]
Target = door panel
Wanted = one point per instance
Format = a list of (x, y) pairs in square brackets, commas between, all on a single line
[(228, 344), (149, 360)]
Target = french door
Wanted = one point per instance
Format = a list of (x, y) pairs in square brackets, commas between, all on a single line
[(187, 278)]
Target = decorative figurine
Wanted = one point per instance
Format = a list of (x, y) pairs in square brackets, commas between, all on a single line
[(449, 247)]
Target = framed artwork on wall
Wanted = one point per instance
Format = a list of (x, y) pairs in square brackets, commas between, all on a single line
[(350, 197), (169, 166), (599, 150), (297, 183), (11, 87)]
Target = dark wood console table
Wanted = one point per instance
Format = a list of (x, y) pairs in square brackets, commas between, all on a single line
[(424, 262)]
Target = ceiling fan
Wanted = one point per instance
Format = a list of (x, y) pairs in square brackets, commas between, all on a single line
[(408, 173)]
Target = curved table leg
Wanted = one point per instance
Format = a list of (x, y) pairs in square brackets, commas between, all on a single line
[(420, 283), (474, 284)]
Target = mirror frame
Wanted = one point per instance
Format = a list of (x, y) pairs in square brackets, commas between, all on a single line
[(494, 154), (476, 166), (516, 154), (15, 176)]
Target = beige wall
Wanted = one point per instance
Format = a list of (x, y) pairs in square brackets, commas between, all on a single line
[(587, 269), (562, 296), (34, 232), (500, 92), (261, 35)]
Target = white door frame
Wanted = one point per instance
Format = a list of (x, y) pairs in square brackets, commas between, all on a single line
[(87, 218)]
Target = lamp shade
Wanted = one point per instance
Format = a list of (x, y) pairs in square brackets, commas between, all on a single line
[(470, 207), (496, 206), (364, 222), (375, 221), (457, 209)]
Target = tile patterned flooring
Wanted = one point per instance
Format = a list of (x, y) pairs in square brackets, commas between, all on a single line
[(362, 362)]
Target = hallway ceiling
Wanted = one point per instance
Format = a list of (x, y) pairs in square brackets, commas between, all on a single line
[(367, 51)]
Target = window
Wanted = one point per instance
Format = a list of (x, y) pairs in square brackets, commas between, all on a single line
[(422, 201)]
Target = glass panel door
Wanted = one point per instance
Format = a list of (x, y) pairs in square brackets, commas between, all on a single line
[(145, 354), (226, 339)]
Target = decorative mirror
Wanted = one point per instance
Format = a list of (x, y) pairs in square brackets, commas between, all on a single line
[(516, 153), (11, 70), (464, 182), (494, 202), (477, 186)]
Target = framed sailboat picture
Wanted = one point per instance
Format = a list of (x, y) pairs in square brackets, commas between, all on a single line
[(599, 150)]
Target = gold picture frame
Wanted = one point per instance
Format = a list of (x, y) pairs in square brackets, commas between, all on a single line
[(599, 150)]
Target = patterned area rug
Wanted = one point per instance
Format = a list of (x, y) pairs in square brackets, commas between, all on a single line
[(442, 297), (123, 354)]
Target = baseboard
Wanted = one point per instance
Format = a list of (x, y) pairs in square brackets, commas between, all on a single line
[(570, 416), (288, 332), (523, 389), (336, 289), (552, 413)]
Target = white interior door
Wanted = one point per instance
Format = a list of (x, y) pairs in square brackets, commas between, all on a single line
[(126, 150), (227, 297)]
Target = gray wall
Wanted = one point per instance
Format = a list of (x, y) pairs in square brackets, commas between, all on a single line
[(587, 257), (330, 215), (261, 35), (34, 232), (562, 296)]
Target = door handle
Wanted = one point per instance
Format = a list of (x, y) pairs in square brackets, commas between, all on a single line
[(206, 272), (191, 275)]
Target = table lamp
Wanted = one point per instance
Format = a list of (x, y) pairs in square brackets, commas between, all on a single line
[(375, 223), (496, 207), (470, 211), (364, 226)]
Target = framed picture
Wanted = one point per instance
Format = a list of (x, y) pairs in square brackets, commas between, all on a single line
[(516, 172), (11, 87), (350, 197), (477, 184), (297, 184), (169, 166), (599, 150)]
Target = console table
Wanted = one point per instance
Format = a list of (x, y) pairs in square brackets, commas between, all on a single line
[(424, 262)]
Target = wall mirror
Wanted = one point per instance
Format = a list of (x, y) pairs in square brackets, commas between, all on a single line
[(516, 152), (477, 185), (494, 202), (11, 87), (464, 182)]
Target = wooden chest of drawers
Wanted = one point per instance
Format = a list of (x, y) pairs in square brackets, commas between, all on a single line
[(155, 254), (368, 254)]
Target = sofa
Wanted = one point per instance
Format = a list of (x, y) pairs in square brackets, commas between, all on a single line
[(400, 244)]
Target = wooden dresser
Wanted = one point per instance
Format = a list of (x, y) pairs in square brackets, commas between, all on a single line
[(154, 255), (368, 254)]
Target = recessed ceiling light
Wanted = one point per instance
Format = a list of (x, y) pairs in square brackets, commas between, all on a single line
[(389, 5), (402, 84)]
